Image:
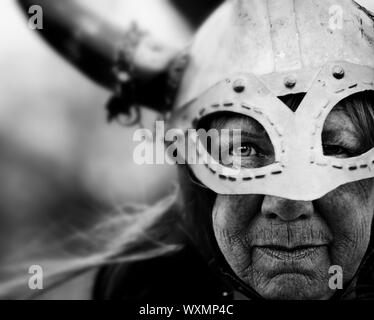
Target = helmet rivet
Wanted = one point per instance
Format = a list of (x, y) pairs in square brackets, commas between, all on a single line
[(338, 72), (290, 82), (239, 86)]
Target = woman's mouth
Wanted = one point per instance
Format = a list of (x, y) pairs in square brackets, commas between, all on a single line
[(276, 261), (285, 253)]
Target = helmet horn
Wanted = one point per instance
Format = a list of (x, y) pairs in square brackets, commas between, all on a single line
[(109, 56)]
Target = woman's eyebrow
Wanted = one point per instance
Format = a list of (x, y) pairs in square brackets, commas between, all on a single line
[(249, 128), (330, 134), (254, 135), (237, 123), (337, 134)]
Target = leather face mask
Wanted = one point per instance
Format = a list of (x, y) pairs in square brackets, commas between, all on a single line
[(300, 170)]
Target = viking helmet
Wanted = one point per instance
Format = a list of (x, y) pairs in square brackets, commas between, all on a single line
[(250, 53)]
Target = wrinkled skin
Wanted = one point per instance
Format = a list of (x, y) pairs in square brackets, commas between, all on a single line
[(259, 234)]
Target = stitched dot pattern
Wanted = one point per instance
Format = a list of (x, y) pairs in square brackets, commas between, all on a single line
[(333, 162), (228, 104)]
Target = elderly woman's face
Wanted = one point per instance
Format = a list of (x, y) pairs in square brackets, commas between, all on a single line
[(282, 248)]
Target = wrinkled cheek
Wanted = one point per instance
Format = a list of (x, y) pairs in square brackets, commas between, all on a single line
[(348, 211), (231, 219), (236, 212)]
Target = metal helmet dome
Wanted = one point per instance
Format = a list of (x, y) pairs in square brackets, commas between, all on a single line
[(273, 39)]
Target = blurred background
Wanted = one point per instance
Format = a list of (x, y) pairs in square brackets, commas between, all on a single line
[(62, 166)]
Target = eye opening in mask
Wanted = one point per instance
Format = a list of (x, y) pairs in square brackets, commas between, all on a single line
[(348, 130), (236, 140), (358, 110)]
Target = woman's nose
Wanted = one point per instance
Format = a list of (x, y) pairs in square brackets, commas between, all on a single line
[(286, 210)]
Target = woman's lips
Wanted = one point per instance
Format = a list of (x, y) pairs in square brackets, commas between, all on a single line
[(293, 254)]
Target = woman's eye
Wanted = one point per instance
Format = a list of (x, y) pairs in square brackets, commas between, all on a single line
[(335, 150), (243, 151)]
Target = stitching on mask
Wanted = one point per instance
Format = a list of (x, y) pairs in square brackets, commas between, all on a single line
[(337, 167), (260, 176), (258, 111), (276, 172), (243, 105), (221, 176), (202, 112), (350, 167)]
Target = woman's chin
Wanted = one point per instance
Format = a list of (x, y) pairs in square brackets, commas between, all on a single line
[(294, 286)]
